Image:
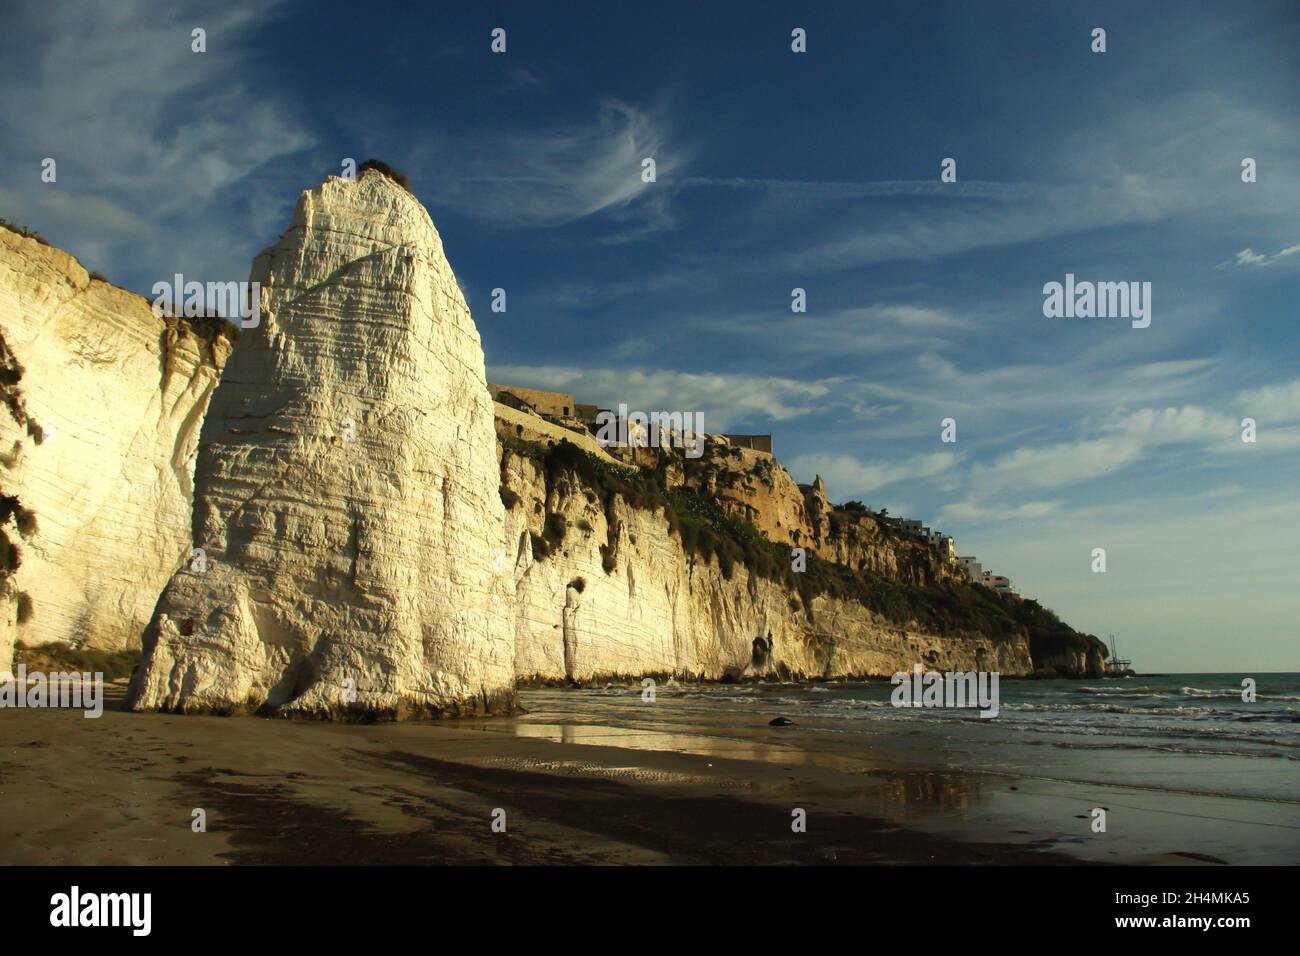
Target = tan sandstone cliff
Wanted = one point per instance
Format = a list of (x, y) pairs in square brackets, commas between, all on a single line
[(103, 401), (606, 589), (753, 486), (347, 488)]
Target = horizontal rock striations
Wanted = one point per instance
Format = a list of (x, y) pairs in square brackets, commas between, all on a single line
[(103, 402), (347, 494)]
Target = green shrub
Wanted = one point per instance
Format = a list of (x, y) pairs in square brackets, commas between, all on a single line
[(24, 232), (524, 448)]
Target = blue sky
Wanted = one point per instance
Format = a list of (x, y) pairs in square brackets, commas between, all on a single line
[(776, 171)]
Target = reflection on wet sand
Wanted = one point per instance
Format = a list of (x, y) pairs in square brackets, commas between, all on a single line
[(861, 783), (584, 777)]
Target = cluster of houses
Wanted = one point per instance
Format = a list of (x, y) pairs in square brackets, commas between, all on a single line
[(559, 408), (947, 548)]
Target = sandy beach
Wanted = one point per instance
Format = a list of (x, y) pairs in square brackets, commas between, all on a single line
[(121, 789)]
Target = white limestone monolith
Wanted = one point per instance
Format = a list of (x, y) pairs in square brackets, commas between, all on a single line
[(347, 489)]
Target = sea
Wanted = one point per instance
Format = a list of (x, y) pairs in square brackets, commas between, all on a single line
[(1184, 768)]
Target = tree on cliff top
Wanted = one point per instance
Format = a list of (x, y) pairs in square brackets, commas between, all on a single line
[(380, 166)]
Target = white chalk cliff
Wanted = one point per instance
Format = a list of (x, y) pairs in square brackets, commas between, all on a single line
[(376, 538), (347, 490), (103, 401)]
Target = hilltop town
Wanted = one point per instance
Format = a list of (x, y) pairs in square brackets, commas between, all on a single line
[(538, 414)]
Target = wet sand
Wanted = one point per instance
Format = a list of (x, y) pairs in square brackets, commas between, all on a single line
[(121, 790)]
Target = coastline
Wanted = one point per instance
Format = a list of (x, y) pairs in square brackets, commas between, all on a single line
[(584, 777), (120, 790)]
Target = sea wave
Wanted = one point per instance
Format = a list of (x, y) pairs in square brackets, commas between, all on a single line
[(1122, 691), (1218, 693)]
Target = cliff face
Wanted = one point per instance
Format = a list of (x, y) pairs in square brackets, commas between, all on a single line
[(604, 588), (375, 542), (754, 487), (103, 401), (1070, 661), (347, 490)]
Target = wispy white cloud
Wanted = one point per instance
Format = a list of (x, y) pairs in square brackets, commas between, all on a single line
[(804, 190), (98, 213), (906, 316), (1246, 257), (1120, 440), (872, 236), (1099, 183), (973, 512), (1273, 404), (148, 136), (522, 79), (864, 330), (1249, 257), (549, 175), (847, 476), (1168, 426), (1053, 466), (723, 398)]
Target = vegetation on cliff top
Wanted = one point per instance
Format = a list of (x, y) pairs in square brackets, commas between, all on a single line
[(23, 231), (380, 166), (706, 533)]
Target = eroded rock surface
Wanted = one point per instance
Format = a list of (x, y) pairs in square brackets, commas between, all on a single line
[(103, 401), (347, 492), (615, 595)]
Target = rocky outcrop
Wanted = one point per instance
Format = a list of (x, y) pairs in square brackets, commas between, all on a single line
[(605, 589), (1069, 661), (347, 492), (514, 424), (754, 487), (103, 401)]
